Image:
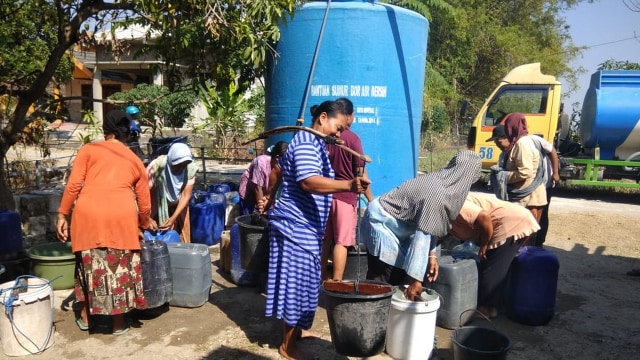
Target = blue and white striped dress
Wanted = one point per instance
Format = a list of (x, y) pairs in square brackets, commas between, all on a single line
[(297, 224)]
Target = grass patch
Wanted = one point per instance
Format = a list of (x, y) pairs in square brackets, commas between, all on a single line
[(430, 161)]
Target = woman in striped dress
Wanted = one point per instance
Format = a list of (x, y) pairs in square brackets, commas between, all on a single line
[(297, 224)]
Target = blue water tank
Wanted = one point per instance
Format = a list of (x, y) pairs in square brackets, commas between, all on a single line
[(611, 114), (372, 53), (531, 286)]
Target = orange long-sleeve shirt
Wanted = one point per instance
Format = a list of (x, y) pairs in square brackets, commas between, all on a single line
[(109, 186)]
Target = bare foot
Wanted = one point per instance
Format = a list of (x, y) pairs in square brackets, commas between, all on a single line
[(307, 334), (284, 354)]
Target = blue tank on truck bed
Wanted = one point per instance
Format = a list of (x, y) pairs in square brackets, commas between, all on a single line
[(611, 114)]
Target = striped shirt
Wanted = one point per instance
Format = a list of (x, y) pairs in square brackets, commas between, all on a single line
[(298, 210)]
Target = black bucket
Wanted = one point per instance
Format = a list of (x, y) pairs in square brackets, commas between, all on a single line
[(254, 243), (356, 266), (358, 320), (479, 343)]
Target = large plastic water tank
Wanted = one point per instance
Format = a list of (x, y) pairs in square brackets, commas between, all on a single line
[(372, 53), (611, 114)]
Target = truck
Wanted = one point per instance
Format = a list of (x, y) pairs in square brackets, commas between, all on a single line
[(609, 128)]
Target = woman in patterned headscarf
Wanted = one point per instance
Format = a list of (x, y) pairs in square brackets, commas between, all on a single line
[(397, 227)]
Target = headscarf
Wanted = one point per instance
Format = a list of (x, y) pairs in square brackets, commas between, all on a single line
[(116, 122), (178, 153), (515, 127), (432, 201)]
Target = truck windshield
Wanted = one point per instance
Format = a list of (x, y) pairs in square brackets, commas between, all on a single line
[(516, 98)]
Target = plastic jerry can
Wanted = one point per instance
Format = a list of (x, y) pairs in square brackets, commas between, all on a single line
[(532, 285), (457, 285), (191, 273)]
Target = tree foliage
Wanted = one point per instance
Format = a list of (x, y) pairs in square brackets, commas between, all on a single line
[(471, 49), (223, 41), (612, 64), (158, 105)]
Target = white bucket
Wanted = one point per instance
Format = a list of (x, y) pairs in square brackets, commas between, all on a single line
[(26, 323), (411, 326)]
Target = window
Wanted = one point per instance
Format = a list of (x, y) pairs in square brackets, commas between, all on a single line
[(522, 99)]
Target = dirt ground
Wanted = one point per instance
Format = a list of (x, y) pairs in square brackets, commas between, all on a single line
[(597, 306)]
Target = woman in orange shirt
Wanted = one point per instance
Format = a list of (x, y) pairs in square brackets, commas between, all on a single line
[(109, 186)]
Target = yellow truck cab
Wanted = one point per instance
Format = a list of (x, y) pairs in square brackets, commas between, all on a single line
[(525, 90)]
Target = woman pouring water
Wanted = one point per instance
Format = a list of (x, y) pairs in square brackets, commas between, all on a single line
[(171, 180), (297, 224)]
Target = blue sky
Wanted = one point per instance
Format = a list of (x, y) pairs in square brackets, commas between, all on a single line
[(602, 26)]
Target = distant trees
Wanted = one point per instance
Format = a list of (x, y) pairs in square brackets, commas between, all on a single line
[(472, 44), (224, 41)]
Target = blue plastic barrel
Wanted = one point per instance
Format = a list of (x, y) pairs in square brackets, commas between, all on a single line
[(610, 114), (156, 273), (372, 53), (167, 236), (239, 276), (207, 217), (532, 285), (11, 230)]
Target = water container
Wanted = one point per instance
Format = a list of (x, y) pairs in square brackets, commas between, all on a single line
[(372, 53), (15, 264), (221, 188), (54, 262), (156, 273), (207, 212), (28, 327), (457, 284), (168, 236), (611, 115), (254, 242), (357, 314), (532, 285), (191, 274), (225, 252), (11, 230), (239, 276), (356, 259), (412, 325)]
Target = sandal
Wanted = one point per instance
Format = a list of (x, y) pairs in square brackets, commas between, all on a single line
[(81, 325), (122, 331)]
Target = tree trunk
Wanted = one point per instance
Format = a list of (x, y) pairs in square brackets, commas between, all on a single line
[(6, 196)]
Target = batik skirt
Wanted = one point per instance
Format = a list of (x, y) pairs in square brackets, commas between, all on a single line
[(111, 279)]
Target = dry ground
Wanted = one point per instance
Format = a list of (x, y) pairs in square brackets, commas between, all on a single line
[(596, 310)]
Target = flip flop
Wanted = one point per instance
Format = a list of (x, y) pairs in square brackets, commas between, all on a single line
[(122, 331), (81, 325)]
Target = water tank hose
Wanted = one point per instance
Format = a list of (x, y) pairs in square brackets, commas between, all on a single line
[(305, 97)]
